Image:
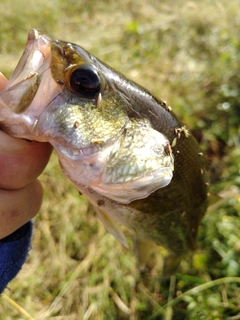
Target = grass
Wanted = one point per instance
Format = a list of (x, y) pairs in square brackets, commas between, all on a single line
[(186, 53)]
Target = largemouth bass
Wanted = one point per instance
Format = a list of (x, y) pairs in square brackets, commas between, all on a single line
[(125, 150)]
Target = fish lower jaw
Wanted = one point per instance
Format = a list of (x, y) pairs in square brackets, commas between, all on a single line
[(138, 188), (17, 125)]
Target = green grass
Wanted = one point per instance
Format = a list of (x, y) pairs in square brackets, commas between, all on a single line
[(187, 53)]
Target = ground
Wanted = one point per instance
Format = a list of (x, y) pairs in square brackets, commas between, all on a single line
[(184, 52)]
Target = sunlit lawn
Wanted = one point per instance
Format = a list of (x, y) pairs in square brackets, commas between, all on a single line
[(185, 52)]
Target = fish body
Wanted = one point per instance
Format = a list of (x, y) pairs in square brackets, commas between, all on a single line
[(124, 149)]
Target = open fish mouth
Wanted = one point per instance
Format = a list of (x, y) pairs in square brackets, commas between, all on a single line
[(24, 83), (38, 48), (29, 90)]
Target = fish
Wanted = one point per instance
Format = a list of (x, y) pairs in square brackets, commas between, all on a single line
[(123, 148)]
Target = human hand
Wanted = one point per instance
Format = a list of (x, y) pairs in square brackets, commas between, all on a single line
[(21, 162)]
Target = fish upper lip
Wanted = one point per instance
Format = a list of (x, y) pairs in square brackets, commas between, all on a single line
[(33, 34), (37, 49), (38, 43), (76, 153), (84, 152)]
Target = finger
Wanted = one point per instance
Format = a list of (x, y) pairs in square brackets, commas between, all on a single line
[(19, 206), (21, 162)]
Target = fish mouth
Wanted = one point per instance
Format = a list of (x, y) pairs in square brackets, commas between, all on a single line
[(31, 86), (30, 89), (37, 49)]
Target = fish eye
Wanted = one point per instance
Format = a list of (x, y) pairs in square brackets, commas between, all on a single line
[(85, 81)]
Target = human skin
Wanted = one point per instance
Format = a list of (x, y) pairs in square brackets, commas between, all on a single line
[(21, 162)]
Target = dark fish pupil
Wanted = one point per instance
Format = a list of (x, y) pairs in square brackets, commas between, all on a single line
[(85, 81)]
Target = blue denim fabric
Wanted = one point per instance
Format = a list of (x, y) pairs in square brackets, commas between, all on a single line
[(13, 253)]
